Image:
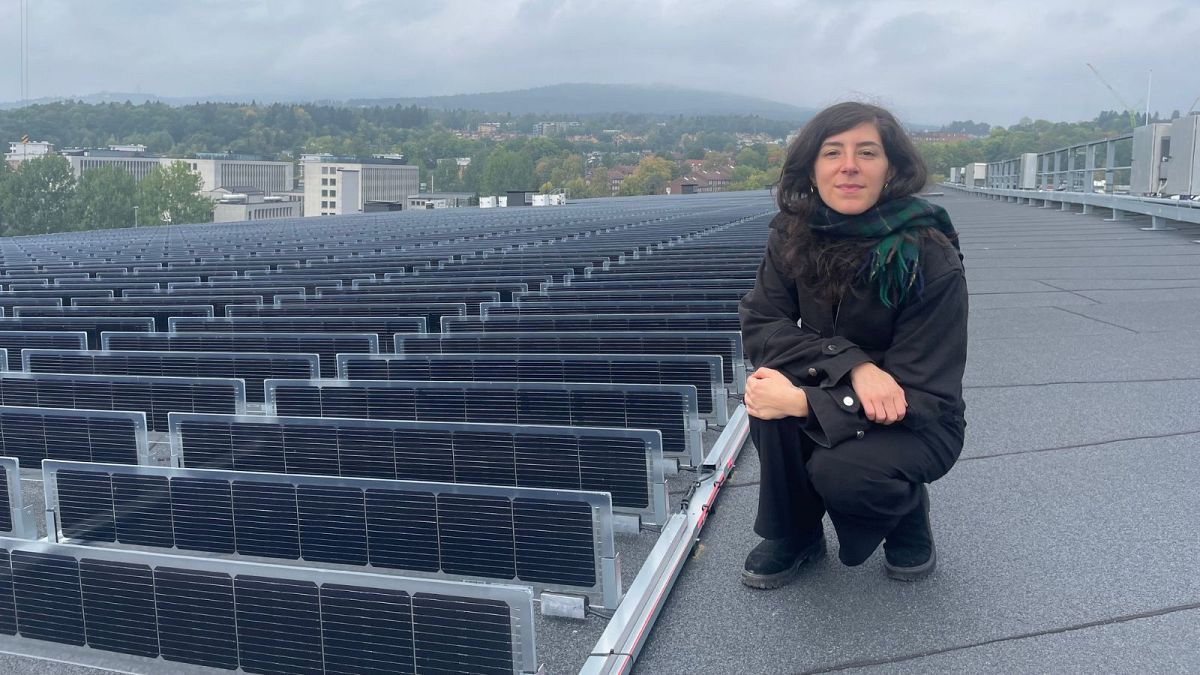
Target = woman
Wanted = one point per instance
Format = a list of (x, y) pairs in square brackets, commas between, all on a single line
[(857, 325)]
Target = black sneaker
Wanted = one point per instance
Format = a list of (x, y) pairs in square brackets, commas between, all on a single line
[(777, 562), (909, 551)]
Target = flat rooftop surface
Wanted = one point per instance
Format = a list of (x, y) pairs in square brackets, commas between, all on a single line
[(1067, 533)]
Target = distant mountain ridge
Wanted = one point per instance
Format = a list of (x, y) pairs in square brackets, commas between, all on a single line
[(563, 99), (590, 99)]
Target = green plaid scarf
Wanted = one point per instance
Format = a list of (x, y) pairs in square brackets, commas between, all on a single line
[(894, 262)]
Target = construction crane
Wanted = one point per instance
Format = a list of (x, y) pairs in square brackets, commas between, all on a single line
[(1120, 99), (1192, 107)]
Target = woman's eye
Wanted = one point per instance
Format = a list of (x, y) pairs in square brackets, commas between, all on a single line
[(867, 153), (830, 153)]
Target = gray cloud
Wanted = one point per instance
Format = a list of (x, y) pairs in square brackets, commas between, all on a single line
[(931, 60)]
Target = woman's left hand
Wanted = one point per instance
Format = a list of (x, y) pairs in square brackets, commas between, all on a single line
[(770, 395)]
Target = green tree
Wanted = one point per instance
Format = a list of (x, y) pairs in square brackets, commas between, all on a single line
[(649, 178), (506, 170), (754, 157), (36, 198), (172, 195), (5, 173), (104, 198)]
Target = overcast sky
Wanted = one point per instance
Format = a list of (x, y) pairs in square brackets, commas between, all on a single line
[(932, 61)]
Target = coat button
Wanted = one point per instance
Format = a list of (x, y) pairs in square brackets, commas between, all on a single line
[(860, 433), (812, 372), (848, 401), (831, 348)]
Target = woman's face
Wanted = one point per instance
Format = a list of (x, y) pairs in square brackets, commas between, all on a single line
[(851, 169)]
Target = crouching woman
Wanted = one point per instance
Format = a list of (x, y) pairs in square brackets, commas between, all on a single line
[(857, 327)]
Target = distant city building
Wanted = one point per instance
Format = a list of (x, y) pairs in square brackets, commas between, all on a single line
[(699, 179), (940, 136), (340, 185), (554, 128), (132, 158), (616, 176), (224, 170), (19, 151), (440, 200), (245, 202), (215, 170)]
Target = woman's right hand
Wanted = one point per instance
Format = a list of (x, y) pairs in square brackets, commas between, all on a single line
[(881, 396)]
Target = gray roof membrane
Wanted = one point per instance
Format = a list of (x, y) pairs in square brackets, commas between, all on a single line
[(1066, 534)]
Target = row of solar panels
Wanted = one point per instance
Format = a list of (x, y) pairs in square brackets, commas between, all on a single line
[(233, 613)]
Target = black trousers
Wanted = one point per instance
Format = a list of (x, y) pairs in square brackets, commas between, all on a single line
[(866, 485)]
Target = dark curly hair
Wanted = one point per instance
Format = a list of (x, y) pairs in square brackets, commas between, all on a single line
[(827, 266)]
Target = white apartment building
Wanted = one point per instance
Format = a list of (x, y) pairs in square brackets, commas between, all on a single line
[(19, 151), (336, 185)]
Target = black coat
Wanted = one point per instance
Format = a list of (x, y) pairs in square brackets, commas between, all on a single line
[(922, 343)]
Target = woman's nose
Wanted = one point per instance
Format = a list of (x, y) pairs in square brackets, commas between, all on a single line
[(849, 164)]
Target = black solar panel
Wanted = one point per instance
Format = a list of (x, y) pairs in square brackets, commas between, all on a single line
[(7, 304), (701, 372), (93, 326), (727, 345), (382, 326), (567, 294), (669, 409), (154, 396), (160, 314), (13, 341), (431, 312), (416, 284), (260, 618), (32, 434), (712, 321), (608, 307), (325, 345), (539, 537), (219, 303), (619, 461), (251, 368)]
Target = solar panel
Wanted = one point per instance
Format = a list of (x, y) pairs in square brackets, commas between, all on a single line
[(325, 345), (7, 305), (708, 321), (14, 522), (701, 372), (219, 303), (488, 310), (93, 326), (153, 396), (669, 409), (13, 341), (550, 539), (725, 344), (384, 327), (32, 434), (682, 295), (471, 300), (251, 368), (266, 618), (160, 314), (626, 463), (410, 284), (432, 312)]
